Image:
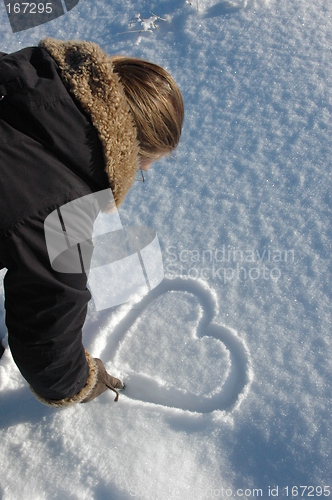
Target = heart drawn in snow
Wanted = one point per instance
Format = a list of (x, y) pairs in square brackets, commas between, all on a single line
[(235, 376)]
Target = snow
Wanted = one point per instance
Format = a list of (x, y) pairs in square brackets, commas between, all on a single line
[(228, 362)]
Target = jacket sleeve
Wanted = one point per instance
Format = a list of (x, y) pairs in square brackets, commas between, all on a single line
[(45, 312)]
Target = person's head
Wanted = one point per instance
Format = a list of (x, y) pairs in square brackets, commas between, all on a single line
[(156, 104)]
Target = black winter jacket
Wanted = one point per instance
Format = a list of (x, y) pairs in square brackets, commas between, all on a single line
[(60, 139)]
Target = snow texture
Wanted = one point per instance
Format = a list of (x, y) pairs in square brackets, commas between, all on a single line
[(228, 361)]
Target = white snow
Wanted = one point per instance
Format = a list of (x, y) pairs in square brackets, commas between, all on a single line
[(228, 362)]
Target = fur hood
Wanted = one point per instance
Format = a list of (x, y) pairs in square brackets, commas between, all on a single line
[(87, 73)]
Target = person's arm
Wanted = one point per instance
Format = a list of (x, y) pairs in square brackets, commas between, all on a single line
[(45, 313)]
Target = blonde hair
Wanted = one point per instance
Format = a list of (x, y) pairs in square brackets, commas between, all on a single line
[(156, 104)]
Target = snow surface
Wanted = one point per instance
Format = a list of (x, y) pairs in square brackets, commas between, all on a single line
[(228, 362)]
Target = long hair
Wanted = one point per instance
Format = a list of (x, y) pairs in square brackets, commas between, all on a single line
[(156, 104)]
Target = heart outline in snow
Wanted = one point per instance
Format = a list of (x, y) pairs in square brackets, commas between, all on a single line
[(148, 390)]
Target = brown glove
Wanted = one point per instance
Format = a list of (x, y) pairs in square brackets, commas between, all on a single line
[(104, 381)]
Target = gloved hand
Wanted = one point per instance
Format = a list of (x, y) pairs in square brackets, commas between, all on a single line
[(105, 381)]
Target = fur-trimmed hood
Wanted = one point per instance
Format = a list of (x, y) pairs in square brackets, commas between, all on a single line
[(87, 73)]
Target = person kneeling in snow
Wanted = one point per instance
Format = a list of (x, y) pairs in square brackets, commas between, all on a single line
[(73, 121)]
